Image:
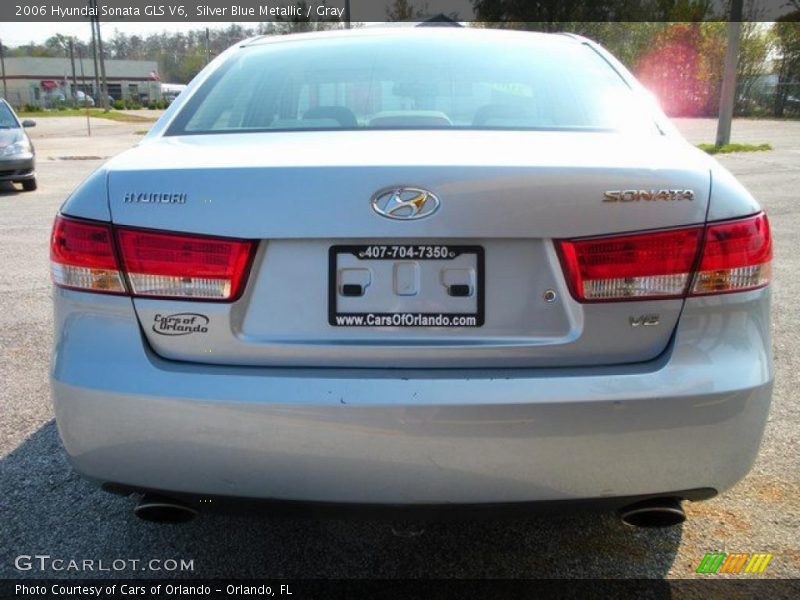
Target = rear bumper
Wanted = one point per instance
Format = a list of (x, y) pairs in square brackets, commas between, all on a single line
[(691, 419)]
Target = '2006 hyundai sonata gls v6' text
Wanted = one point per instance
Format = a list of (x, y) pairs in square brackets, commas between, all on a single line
[(415, 267)]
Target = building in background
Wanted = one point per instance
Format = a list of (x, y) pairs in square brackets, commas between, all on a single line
[(48, 81), (170, 91)]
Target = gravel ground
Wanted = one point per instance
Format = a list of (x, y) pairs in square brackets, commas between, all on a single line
[(47, 509)]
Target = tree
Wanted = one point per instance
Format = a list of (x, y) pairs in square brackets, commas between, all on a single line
[(118, 46), (753, 61), (58, 44), (403, 10), (677, 70), (787, 47), (37, 50)]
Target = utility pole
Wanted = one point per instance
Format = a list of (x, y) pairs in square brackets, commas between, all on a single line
[(347, 14), (103, 80), (727, 98), (3, 66), (83, 77), (208, 46), (94, 58), (72, 61)]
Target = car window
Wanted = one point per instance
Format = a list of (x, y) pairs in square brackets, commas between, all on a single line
[(402, 82), (7, 118)]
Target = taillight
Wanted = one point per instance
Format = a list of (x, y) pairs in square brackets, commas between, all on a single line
[(83, 256), (185, 266), (736, 257), (631, 267), (663, 264)]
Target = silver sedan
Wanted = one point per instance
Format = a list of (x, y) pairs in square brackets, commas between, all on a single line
[(423, 267)]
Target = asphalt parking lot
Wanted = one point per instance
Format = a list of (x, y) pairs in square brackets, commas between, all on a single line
[(46, 508)]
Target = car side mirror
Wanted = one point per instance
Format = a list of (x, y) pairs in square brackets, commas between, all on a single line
[(29, 123)]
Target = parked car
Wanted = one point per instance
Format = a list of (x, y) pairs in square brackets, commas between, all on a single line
[(17, 156), (418, 267), (83, 99), (54, 99), (792, 103)]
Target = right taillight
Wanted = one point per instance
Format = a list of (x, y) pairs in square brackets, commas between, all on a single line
[(736, 257), (718, 258), (98, 257)]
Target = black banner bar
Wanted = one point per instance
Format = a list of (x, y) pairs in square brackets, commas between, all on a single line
[(365, 11), (406, 589)]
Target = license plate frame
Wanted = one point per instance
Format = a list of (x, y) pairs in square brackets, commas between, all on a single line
[(407, 252)]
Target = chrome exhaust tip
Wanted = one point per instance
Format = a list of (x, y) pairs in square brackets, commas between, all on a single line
[(160, 509), (656, 512), (407, 529)]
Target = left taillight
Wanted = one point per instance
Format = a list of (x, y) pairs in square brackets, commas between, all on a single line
[(82, 256), (99, 258)]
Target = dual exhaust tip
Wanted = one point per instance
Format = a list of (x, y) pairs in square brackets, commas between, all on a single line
[(652, 513), (160, 509)]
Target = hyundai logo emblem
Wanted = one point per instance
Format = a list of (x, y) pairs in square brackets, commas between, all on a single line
[(405, 203)]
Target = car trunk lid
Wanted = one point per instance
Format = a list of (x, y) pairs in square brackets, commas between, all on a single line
[(505, 196)]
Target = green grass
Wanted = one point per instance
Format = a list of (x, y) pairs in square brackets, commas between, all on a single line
[(730, 148), (141, 131), (96, 113)]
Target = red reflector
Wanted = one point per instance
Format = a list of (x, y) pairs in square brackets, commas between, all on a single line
[(188, 266), (639, 266)]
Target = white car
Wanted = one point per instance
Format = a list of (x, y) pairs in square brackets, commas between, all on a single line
[(418, 267), (83, 99)]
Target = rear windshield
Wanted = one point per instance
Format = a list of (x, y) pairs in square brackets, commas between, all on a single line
[(513, 81)]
